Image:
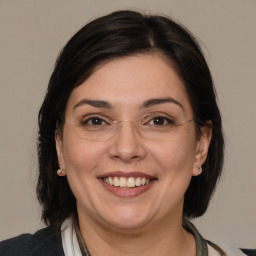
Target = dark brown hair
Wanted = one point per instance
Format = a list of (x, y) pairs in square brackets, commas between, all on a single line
[(113, 36)]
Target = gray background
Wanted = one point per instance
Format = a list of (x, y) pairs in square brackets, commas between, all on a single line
[(33, 32)]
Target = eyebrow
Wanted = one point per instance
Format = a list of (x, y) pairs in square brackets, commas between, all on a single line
[(157, 101), (148, 103), (93, 103)]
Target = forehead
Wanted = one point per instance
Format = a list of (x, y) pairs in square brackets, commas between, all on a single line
[(129, 81)]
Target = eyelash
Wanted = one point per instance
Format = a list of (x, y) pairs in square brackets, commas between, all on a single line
[(86, 121), (167, 120)]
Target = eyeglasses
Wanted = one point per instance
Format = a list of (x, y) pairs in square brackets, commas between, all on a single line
[(152, 126)]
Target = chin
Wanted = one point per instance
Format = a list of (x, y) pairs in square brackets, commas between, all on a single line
[(126, 219)]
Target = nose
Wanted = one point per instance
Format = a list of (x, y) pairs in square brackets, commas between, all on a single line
[(127, 144)]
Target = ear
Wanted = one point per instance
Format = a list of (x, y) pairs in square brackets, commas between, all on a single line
[(59, 149), (202, 147)]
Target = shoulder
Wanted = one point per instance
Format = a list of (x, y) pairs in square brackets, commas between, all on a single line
[(249, 252), (46, 241), (230, 251)]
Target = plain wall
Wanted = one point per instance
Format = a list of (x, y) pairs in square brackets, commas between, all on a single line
[(32, 34)]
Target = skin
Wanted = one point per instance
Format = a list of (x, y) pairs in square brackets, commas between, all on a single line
[(149, 223)]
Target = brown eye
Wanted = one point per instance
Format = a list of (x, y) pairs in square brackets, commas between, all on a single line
[(160, 121), (94, 121)]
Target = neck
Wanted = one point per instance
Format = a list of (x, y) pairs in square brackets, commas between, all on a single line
[(159, 239)]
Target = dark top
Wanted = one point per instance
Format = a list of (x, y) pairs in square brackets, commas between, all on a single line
[(47, 242)]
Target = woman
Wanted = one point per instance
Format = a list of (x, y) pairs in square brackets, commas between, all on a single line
[(130, 143)]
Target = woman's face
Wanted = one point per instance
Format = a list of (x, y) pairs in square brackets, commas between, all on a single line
[(130, 88)]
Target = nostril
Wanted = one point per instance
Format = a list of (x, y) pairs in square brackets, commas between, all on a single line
[(126, 145)]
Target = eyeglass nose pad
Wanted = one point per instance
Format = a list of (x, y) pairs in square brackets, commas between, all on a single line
[(135, 123)]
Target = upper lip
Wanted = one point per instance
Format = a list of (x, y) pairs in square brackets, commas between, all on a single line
[(126, 175)]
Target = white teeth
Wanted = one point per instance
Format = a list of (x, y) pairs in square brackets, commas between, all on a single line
[(123, 182), (130, 182), (116, 182), (110, 181), (138, 181)]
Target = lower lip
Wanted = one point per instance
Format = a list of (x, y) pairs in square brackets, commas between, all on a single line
[(127, 192)]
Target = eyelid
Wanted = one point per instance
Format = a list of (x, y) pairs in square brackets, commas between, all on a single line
[(102, 116), (144, 119), (157, 114)]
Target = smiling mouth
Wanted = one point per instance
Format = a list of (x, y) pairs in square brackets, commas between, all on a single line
[(130, 182)]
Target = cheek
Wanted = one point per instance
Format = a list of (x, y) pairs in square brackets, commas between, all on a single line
[(81, 157), (82, 161), (175, 156), (175, 162)]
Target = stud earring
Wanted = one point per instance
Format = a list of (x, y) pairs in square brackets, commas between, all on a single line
[(60, 172), (198, 170)]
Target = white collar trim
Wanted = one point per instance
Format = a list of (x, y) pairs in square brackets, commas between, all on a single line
[(69, 239), (71, 246)]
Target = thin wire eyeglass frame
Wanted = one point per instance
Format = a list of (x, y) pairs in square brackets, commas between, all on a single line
[(145, 131)]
